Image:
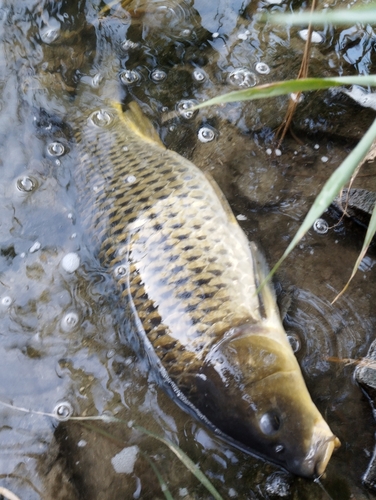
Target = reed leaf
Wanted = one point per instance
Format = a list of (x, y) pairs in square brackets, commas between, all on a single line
[(330, 190), (339, 17), (367, 240), (187, 462), (161, 481), (287, 87)]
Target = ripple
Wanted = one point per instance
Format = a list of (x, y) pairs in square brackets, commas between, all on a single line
[(173, 18), (325, 332)]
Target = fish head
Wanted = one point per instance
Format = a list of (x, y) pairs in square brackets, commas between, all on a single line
[(251, 388)]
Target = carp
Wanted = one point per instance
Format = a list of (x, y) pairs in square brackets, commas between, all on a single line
[(189, 278)]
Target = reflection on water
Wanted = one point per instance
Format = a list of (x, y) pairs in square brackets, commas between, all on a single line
[(59, 320)]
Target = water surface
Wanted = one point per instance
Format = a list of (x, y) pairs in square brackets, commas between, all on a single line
[(61, 330)]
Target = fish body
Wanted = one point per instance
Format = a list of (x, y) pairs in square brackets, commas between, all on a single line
[(189, 276)]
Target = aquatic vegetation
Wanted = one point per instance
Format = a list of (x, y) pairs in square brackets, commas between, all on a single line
[(355, 159)]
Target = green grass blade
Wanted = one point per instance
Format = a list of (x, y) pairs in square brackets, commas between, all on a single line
[(348, 17), (187, 462), (367, 240), (287, 87), (330, 190), (162, 482)]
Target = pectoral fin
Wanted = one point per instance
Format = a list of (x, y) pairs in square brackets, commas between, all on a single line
[(135, 119)]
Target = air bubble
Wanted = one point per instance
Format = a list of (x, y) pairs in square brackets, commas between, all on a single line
[(321, 226), (242, 77), (128, 77), (206, 134), (70, 262), (294, 341), (199, 75), (49, 35), (100, 118), (96, 80), (55, 149), (26, 184), (69, 322), (158, 75), (63, 411), (184, 108), (120, 271), (131, 179), (262, 68), (6, 301)]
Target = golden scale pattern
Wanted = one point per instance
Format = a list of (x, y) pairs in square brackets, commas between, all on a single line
[(168, 239)]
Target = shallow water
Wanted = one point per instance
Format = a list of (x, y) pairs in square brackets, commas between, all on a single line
[(60, 330)]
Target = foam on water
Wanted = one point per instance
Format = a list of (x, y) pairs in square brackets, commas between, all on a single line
[(124, 461)]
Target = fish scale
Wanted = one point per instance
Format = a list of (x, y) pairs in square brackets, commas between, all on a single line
[(169, 221)]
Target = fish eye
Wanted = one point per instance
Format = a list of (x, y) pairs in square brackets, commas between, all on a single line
[(270, 423)]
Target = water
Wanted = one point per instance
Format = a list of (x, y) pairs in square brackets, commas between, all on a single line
[(60, 322)]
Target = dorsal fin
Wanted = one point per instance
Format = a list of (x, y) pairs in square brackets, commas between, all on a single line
[(136, 120)]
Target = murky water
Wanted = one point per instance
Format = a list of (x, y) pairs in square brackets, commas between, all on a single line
[(60, 325)]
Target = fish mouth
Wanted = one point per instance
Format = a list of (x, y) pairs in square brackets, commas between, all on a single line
[(323, 444), (324, 454)]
